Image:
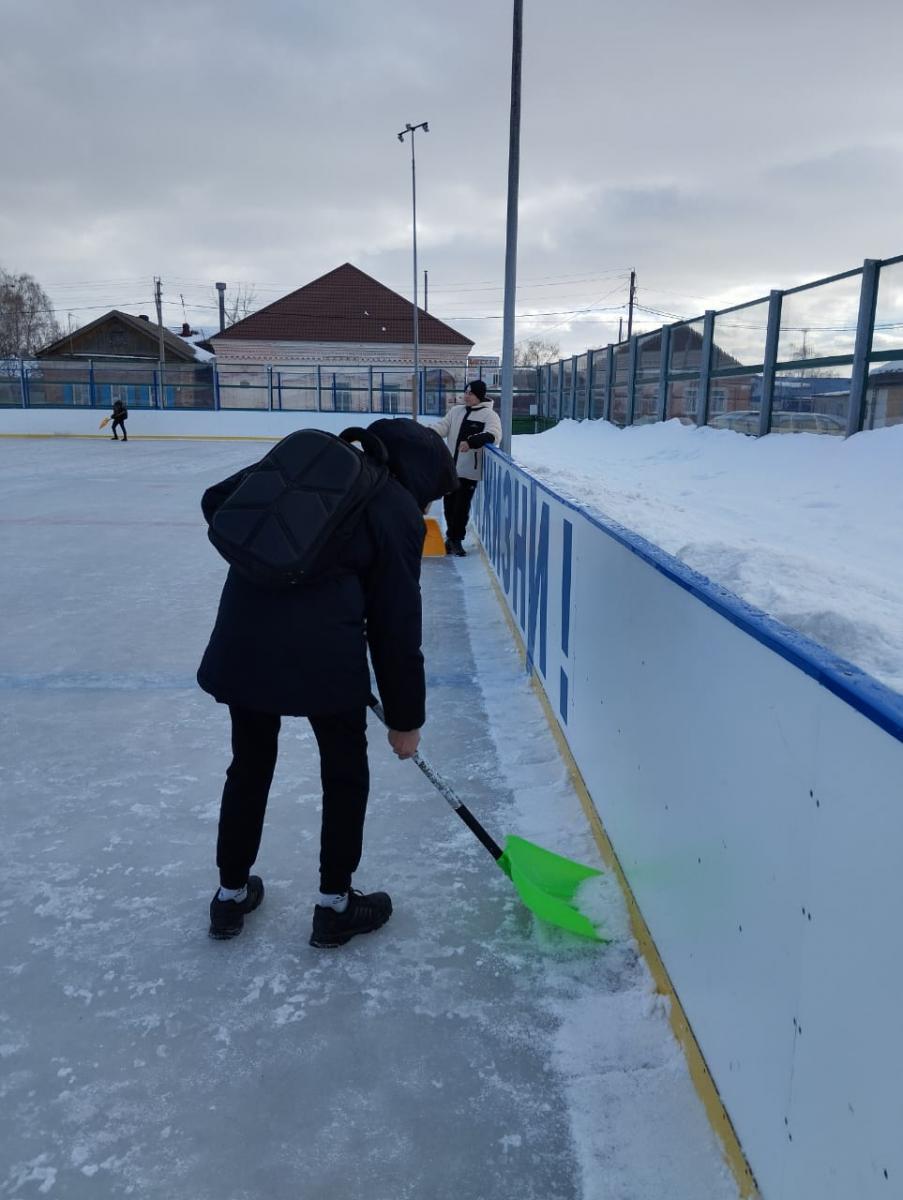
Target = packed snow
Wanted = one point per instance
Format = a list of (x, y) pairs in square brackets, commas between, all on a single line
[(463, 1052), (806, 527)]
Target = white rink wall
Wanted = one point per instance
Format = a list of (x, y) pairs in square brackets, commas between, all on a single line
[(179, 422), (752, 786)]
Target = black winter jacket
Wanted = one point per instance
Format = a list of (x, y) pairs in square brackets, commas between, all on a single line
[(303, 651)]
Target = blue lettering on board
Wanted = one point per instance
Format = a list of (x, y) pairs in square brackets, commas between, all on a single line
[(567, 543), (538, 579), (505, 536), (519, 598), (567, 547)]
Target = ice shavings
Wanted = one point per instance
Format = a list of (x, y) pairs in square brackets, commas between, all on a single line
[(638, 1128)]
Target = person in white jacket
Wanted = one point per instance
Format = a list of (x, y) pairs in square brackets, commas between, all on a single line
[(467, 428)]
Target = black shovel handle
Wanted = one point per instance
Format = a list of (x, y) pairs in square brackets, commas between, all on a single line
[(446, 791)]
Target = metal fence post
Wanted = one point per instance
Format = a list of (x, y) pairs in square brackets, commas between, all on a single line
[(23, 383), (865, 328), (269, 387), (772, 337), (216, 399), (663, 373), (574, 387), (560, 398), (370, 389), (92, 390), (588, 404), (609, 377), (705, 368), (631, 377), (319, 389)]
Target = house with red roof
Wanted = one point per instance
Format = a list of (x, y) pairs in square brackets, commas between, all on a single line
[(346, 318), (344, 342)]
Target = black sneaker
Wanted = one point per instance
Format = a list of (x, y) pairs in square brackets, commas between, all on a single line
[(363, 915), (227, 917), (457, 548)]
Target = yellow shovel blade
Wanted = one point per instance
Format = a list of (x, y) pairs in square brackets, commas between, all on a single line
[(433, 542)]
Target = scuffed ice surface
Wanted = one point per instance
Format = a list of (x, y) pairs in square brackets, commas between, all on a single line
[(461, 1052)]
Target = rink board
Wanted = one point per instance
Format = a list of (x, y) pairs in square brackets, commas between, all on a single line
[(751, 784), (180, 422)]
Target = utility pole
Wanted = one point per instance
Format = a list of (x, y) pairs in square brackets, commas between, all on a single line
[(158, 300), (620, 328), (221, 288), (507, 405), (411, 129), (426, 291), (630, 304)]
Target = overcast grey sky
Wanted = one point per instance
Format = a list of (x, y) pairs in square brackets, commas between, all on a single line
[(720, 149)]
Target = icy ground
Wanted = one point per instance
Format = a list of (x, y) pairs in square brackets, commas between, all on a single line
[(459, 1053), (807, 527)]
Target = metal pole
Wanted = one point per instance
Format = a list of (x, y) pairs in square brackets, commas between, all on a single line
[(705, 367), (415, 399), (868, 297), (507, 402), (158, 299), (772, 336), (631, 379), (630, 304), (411, 129), (221, 288), (426, 291)]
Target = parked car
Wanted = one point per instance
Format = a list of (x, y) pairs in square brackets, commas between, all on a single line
[(747, 421)]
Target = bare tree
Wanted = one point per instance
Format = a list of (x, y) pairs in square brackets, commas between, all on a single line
[(535, 351), (27, 320), (239, 304)]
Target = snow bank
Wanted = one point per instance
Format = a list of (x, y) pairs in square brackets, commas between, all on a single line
[(806, 527)]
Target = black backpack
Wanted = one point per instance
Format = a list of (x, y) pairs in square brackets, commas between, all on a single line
[(282, 512)]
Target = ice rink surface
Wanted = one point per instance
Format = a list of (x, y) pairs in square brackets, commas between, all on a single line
[(462, 1052)]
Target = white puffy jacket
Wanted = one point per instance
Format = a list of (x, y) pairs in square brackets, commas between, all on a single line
[(470, 464)]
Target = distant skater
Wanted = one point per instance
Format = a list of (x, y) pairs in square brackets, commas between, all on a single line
[(120, 416), (467, 428)]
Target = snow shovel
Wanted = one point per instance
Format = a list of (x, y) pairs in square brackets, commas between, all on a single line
[(545, 882)]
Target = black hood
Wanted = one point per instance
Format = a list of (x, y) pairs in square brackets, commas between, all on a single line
[(418, 458)]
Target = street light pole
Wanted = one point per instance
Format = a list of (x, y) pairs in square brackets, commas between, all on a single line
[(409, 128), (507, 405)]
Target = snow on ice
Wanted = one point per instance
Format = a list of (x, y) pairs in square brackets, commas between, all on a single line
[(461, 1053)]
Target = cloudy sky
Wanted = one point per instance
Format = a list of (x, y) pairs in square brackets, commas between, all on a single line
[(719, 149)]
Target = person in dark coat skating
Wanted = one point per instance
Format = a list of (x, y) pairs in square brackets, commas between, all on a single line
[(303, 652), (120, 416)]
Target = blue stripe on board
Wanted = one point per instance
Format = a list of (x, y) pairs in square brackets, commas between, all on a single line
[(848, 682), (563, 696)]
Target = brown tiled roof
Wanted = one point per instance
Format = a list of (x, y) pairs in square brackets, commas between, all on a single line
[(344, 305)]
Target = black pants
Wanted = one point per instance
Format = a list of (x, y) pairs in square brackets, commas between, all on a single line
[(120, 421), (457, 509), (345, 776)]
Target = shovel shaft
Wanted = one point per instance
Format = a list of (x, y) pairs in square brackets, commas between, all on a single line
[(448, 795)]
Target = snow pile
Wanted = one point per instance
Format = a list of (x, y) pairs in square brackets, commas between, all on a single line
[(806, 527)]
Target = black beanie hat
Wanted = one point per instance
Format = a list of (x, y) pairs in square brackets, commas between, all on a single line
[(478, 387)]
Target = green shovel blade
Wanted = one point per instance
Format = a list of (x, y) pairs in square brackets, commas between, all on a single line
[(546, 883)]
